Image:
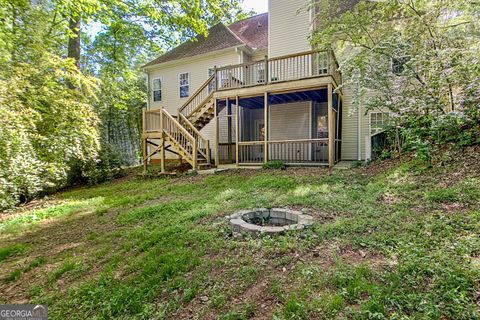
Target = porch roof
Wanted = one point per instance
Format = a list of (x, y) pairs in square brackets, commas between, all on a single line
[(317, 95)]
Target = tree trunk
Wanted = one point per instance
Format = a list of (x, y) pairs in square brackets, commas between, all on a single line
[(74, 40)]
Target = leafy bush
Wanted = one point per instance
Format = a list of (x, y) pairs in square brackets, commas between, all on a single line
[(46, 125), (276, 164)]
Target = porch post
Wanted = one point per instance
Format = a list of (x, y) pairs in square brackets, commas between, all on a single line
[(331, 123), (144, 140), (162, 142), (237, 119), (265, 128), (229, 129), (216, 131)]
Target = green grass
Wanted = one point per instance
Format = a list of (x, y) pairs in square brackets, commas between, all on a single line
[(393, 245)]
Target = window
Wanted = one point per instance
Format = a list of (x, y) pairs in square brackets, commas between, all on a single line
[(398, 64), (157, 89), (184, 85), (378, 121), (322, 63)]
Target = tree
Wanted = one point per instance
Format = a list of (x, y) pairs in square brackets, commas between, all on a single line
[(70, 105), (434, 45)]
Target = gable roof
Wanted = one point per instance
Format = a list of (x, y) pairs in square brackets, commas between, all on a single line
[(252, 32)]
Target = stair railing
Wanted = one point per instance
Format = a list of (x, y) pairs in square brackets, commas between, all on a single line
[(184, 140), (199, 98), (203, 144)]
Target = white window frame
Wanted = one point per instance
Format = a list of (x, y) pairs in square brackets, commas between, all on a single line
[(385, 119), (161, 89), (181, 85)]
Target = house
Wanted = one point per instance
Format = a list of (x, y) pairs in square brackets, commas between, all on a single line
[(252, 92)]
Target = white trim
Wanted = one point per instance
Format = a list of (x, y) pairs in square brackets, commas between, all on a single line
[(153, 89), (189, 59), (269, 53), (370, 133), (184, 85), (147, 80)]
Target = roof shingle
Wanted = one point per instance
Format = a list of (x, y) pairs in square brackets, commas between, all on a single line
[(252, 32)]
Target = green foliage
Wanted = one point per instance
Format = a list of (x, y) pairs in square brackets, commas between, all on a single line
[(434, 97), (8, 251), (275, 164), (45, 125), (156, 248), (60, 124)]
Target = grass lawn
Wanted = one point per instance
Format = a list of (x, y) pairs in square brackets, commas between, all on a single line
[(399, 241)]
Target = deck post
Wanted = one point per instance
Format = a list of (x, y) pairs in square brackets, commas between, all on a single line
[(162, 142), (265, 129), (267, 71), (144, 151), (237, 120), (195, 155), (229, 129), (144, 140), (331, 124), (215, 115)]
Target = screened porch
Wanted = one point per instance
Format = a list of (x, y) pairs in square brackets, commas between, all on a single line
[(298, 128)]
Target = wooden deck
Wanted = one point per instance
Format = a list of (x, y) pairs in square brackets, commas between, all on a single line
[(287, 74)]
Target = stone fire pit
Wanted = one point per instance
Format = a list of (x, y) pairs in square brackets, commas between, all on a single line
[(268, 221)]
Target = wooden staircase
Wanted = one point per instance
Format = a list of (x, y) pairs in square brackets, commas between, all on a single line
[(199, 110), (181, 135)]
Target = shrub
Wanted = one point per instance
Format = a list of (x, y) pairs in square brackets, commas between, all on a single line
[(45, 125), (275, 164)]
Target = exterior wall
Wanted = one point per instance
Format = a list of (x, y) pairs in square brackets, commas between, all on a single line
[(259, 55), (197, 67), (290, 121), (289, 27), (350, 125), (356, 124)]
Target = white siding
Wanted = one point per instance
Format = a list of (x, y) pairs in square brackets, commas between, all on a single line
[(351, 142), (289, 27), (349, 125), (197, 68), (290, 121), (259, 55)]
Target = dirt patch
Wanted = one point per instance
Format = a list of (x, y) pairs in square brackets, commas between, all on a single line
[(454, 207), (32, 205)]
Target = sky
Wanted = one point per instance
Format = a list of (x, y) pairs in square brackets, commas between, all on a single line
[(259, 6)]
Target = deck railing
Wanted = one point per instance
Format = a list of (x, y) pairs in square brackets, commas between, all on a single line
[(199, 97), (202, 143), (302, 151), (285, 68), (161, 122), (299, 151), (251, 152), (152, 120)]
